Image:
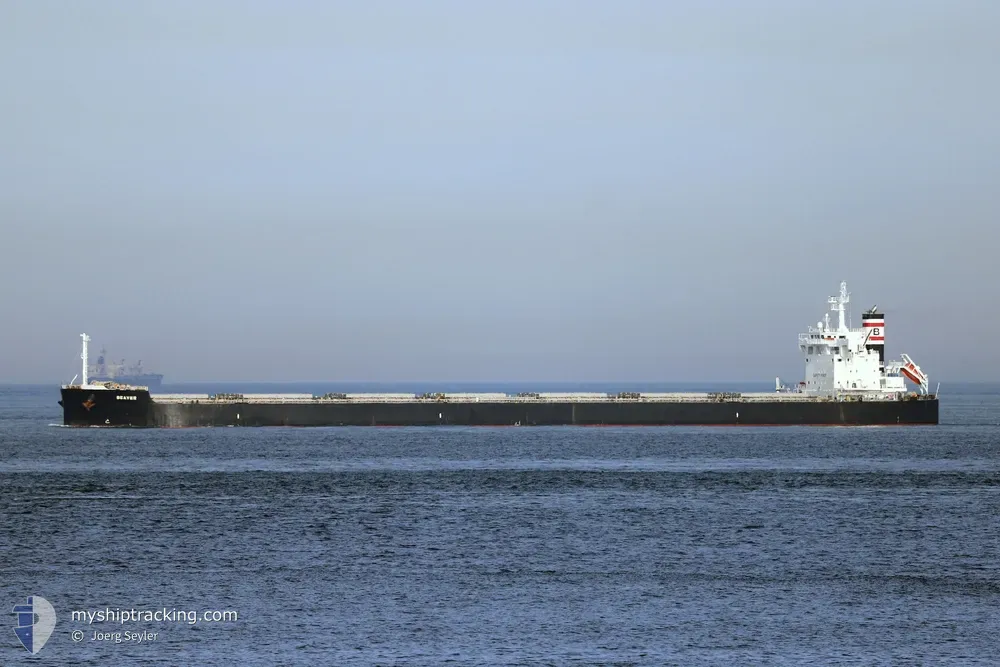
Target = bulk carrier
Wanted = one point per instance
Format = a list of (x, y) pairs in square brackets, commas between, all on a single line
[(109, 371), (847, 382)]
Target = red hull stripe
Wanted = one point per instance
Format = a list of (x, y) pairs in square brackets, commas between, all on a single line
[(882, 338), (871, 324)]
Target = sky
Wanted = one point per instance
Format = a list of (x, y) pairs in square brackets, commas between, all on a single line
[(504, 191)]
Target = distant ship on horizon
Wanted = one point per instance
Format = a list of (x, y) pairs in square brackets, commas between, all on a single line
[(110, 371)]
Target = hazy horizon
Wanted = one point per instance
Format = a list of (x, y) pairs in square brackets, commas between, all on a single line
[(494, 192)]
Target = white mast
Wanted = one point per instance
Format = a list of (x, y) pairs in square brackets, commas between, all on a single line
[(83, 355), (837, 304)]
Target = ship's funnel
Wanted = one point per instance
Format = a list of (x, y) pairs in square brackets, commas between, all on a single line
[(874, 326)]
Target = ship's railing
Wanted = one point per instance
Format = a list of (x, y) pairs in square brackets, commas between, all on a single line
[(116, 386), (180, 397), (624, 397)]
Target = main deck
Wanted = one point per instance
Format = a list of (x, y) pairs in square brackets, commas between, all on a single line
[(526, 398)]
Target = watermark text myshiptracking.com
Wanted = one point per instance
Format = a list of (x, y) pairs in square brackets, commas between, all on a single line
[(162, 615)]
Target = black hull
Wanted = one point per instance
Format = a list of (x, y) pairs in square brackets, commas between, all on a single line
[(107, 409)]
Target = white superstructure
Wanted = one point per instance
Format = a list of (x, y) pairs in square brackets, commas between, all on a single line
[(841, 360)]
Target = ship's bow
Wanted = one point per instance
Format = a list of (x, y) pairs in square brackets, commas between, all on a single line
[(105, 406)]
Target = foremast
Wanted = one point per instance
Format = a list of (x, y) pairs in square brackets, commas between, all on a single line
[(85, 382), (85, 368), (83, 355)]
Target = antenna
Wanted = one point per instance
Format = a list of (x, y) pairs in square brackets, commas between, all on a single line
[(83, 355), (837, 304), (844, 299)]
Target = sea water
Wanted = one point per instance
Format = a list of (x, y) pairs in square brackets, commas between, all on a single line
[(504, 546)]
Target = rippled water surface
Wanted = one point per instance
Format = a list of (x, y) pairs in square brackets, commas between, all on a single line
[(508, 546)]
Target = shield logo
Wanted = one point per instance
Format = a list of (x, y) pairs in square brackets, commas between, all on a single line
[(35, 621)]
